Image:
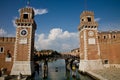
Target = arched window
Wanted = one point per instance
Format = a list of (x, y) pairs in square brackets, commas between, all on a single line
[(94, 26), (85, 26), (114, 37), (98, 37), (104, 37), (89, 19), (82, 19), (25, 16), (1, 49)]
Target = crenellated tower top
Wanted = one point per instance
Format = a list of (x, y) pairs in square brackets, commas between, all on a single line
[(87, 20), (87, 13), (27, 13), (26, 17)]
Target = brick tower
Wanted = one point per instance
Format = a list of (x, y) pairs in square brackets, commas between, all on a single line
[(89, 46), (24, 45)]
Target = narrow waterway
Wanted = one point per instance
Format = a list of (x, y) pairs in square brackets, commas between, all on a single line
[(58, 70)]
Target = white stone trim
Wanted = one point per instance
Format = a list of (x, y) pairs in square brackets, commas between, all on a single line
[(97, 42), (15, 48), (23, 67), (86, 65), (25, 26), (112, 65), (30, 39), (8, 59), (91, 41), (85, 46), (88, 29)]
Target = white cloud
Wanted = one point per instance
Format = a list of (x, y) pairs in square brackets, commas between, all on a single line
[(2, 32), (57, 39), (40, 11), (37, 12), (13, 21), (97, 19)]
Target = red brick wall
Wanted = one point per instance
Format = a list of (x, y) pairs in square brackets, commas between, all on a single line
[(110, 46), (8, 44)]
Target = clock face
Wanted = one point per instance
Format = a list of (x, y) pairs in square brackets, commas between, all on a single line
[(91, 33), (23, 32)]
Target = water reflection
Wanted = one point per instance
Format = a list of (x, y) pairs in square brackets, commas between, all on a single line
[(58, 70)]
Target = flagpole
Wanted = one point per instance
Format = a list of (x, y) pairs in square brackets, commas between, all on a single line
[(28, 3)]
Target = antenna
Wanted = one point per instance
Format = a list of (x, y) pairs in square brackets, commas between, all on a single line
[(85, 4)]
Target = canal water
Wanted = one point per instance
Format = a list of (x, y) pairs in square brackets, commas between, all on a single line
[(58, 70)]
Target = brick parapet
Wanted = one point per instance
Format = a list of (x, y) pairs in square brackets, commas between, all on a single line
[(86, 13), (7, 39)]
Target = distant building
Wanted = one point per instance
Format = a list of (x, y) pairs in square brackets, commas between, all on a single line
[(97, 49), (44, 52), (75, 52)]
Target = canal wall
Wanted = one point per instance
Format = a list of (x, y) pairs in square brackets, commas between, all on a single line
[(111, 73), (92, 75), (95, 76), (87, 65)]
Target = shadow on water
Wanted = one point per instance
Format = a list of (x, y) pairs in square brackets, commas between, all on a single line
[(60, 69)]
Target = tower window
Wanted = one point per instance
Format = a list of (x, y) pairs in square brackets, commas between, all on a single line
[(114, 36), (98, 37), (1, 49), (22, 24), (25, 16), (18, 24), (29, 24), (89, 19), (82, 19), (104, 37), (85, 26)]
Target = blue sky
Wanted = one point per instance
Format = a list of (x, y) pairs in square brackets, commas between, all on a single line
[(57, 20)]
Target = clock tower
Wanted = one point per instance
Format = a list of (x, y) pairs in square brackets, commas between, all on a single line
[(89, 45), (24, 45)]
